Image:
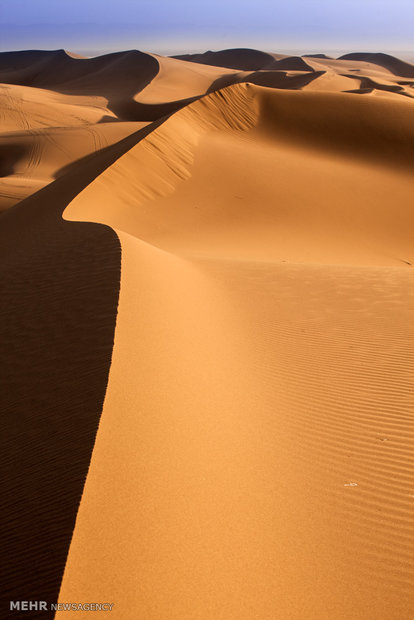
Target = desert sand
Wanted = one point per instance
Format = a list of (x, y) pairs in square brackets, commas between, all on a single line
[(208, 316)]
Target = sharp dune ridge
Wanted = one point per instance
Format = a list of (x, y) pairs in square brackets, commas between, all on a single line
[(57, 329), (207, 401)]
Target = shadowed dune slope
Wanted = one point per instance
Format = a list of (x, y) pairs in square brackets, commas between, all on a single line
[(60, 283), (392, 64), (248, 60), (273, 79), (31, 159), (241, 59), (128, 71), (118, 77), (317, 56)]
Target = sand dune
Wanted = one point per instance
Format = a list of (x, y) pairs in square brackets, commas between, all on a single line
[(207, 266), (248, 60), (392, 64), (31, 159), (314, 137), (129, 71)]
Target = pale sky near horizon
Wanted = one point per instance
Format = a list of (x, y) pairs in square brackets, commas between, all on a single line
[(179, 25)]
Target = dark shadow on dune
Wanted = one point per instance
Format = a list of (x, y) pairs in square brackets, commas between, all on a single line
[(367, 82), (118, 77), (224, 81), (279, 79), (60, 285), (242, 59), (270, 79), (322, 56), (392, 64), (105, 157), (360, 91), (247, 60), (10, 155), (357, 131), (368, 85), (291, 63), (134, 110), (109, 119)]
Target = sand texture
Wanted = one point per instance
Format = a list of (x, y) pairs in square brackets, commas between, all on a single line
[(208, 325)]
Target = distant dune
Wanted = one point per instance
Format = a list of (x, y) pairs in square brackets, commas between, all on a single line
[(394, 65), (207, 311), (248, 60)]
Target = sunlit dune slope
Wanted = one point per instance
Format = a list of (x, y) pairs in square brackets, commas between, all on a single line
[(244, 194), (267, 253)]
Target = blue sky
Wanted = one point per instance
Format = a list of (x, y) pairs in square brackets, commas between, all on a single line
[(172, 26)]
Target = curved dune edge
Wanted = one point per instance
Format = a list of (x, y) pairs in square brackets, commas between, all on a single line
[(55, 359), (254, 454), (238, 468), (165, 156), (186, 188), (60, 286), (30, 159)]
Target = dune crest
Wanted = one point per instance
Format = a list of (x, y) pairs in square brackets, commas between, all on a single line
[(267, 130), (155, 165)]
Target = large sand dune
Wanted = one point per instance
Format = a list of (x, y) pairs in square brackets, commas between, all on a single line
[(208, 316)]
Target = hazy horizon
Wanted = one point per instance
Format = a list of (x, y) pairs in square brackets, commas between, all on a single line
[(405, 55), (94, 27)]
